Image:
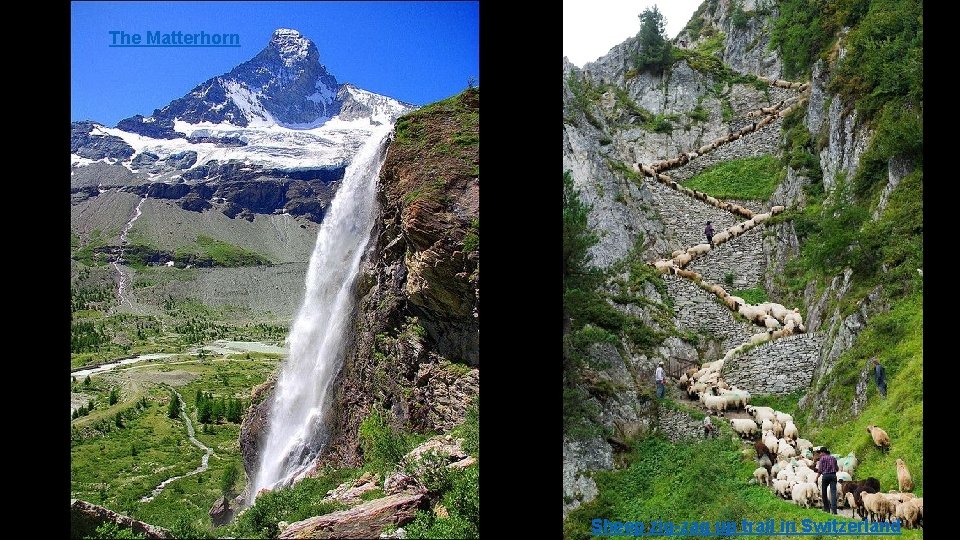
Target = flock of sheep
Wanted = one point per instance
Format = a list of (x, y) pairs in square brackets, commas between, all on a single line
[(786, 461), (769, 114), (777, 320)]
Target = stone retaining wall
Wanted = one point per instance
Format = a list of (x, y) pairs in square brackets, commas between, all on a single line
[(679, 426), (781, 367), (743, 256), (763, 141), (699, 311), (685, 218)]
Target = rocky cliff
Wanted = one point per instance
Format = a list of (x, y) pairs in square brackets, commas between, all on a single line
[(415, 344), (616, 116), (417, 336)]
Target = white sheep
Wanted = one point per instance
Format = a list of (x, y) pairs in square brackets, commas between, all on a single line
[(757, 339), (778, 428), (682, 260), (783, 417), (712, 201), (778, 311), (777, 209), (721, 237), (766, 425), (760, 413), (677, 253), (743, 426), (762, 476), (918, 503), (771, 323), (781, 487), (804, 494), (793, 315), (878, 505), (665, 267), (790, 431), (715, 403), (689, 274), (847, 463), (785, 450), (734, 302), (908, 514), (751, 313), (771, 443), (698, 249), (803, 444)]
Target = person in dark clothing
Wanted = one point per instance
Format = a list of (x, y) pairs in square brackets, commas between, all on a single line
[(709, 232), (880, 375), (827, 466)]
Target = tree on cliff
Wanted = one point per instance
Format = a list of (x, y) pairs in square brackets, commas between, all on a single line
[(655, 51), (577, 239)]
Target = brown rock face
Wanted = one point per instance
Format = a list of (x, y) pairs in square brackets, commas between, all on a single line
[(86, 517), (254, 425), (416, 346), (221, 512), (416, 337), (363, 521)]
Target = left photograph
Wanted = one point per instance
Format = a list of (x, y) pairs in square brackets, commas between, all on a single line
[(275, 253)]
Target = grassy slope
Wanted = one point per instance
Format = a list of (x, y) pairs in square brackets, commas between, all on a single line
[(752, 178), (105, 471), (678, 482), (896, 339)]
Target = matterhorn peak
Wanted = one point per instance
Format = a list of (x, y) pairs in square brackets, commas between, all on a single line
[(291, 45)]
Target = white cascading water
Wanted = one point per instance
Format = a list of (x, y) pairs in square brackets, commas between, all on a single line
[(296, 432)]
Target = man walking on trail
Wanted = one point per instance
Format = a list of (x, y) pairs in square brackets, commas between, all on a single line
[(709, 232), (827, 466), (661, 380), (708, 428), (880, 375)]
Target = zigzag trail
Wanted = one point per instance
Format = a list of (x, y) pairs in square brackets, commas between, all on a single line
[(676, 265)]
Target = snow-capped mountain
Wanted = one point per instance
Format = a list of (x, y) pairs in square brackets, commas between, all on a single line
[(281, 110), (274, 135)]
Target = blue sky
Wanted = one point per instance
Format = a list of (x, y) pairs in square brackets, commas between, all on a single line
[(416, 52)]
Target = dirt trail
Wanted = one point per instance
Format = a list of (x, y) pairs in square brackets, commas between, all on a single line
[(204, 462)]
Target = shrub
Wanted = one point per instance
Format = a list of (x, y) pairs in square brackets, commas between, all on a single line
[(110, 529), (383, 447), (431, 468)]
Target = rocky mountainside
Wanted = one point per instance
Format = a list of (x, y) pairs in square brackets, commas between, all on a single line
[(415, 345), (248, 161), (849, 150)]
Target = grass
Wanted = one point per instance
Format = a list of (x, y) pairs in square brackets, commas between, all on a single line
[(225, 254), (752, 296), (752, 178), (301, 501), (104, 469), (676, 482), (896, 339)]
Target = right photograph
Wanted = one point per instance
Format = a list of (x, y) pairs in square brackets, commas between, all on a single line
[(743, 268)]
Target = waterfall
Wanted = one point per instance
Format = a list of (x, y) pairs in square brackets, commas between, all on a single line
[(296, 432), (123, 245)]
